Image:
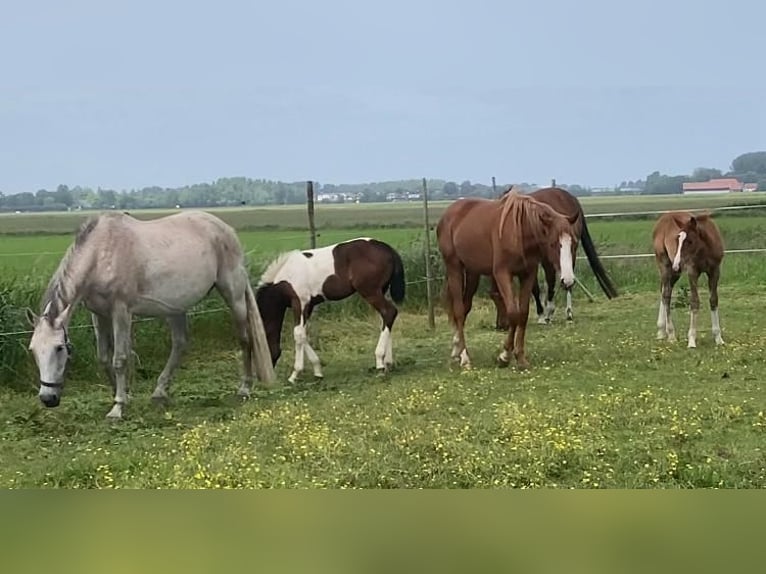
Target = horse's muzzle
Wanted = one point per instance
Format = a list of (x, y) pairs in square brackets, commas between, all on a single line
[(52, 397), (50, 401)]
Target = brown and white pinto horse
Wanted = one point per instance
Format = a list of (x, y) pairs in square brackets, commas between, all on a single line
[(300, 280), (694, 243), (568, 205), (504, 239)]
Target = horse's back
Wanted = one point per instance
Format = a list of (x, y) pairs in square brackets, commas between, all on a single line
[(175, 259), (465, 230)]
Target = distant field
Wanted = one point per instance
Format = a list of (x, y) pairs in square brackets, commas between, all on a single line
[(367, 215)]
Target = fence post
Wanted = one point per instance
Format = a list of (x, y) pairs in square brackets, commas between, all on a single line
[(494, 187), (553, 182), (310, 205), (426, 228)]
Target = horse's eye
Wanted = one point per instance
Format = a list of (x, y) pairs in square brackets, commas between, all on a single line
[(60, 348)]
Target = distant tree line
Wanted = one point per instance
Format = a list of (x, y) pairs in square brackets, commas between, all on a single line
[(232, 191)]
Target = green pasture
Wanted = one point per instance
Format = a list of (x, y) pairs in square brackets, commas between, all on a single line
[(604, 404)]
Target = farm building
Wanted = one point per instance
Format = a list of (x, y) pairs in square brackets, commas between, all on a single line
[(721, 185)]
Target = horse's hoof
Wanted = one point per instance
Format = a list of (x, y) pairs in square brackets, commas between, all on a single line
[(523, 364), (570, 317), (160, 399), (318, 378), (381, 371)]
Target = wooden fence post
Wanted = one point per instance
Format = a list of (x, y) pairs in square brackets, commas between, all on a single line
[(494, 187), (427, 230), (310, 205)]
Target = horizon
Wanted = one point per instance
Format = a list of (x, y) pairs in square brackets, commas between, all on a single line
[(103, 96)]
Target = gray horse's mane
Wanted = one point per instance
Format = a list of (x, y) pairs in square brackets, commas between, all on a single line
[(56, 296), (275, 266)]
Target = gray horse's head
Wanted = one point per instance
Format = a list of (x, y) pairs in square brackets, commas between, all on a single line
[(51, 349)]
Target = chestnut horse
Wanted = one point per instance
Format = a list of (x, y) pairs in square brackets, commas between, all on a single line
[(568, 205), (505, 239), (694, 243), (300, 280)]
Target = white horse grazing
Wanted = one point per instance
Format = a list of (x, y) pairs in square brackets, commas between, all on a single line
[(119, 266)]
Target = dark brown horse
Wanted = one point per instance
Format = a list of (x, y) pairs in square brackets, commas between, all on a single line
[(568, 205), (503, 239), (300, 280), (694, 243)]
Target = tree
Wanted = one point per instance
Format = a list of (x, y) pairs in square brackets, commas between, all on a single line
[(450, 189), (752, 162), (706, 174)]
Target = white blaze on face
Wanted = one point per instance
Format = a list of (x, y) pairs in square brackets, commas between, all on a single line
[(565, 261), (677, 258)]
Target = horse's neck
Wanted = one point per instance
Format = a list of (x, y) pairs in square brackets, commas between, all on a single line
[(67, 285)]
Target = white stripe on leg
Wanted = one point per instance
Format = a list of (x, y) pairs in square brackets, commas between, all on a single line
[(299, 336), (313, 359), (661, 321), (380, 350), (389, 357), (693, 329), (716, 327)]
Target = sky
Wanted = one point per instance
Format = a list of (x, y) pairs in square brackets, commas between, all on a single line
[(130, 94)]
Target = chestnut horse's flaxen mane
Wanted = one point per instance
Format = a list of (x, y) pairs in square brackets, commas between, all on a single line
[(528, 214)]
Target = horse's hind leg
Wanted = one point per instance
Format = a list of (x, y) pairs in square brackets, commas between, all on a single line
[(388, 312), (233, 292), (550, 284), (712, 281), (455, 279), (538, 303), (179, 341), (570, 314), (102, 327), (694, 307)]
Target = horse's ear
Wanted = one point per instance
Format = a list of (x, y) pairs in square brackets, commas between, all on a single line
[(31, 316), (692, 224), (64, 316)]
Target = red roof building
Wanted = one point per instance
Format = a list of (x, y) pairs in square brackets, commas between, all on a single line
[(721, 185)]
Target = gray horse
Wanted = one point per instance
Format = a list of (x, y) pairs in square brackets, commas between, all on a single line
[(119, 266)]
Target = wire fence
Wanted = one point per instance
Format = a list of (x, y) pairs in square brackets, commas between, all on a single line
[(422, 279)]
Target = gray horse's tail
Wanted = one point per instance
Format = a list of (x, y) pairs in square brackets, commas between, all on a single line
[(259, 346)]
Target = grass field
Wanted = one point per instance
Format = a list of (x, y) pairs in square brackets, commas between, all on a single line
[(375, 215), (604, 404)]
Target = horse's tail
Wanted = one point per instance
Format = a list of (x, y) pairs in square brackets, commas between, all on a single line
[(397, 284), (606, 283), (259, 346)]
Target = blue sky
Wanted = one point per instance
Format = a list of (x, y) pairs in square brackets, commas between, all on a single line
[(131, 94)]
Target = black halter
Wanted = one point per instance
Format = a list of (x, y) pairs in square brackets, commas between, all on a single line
[(69, 351)]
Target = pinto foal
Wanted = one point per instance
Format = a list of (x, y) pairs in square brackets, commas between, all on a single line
[(694, 243), (300, 280)]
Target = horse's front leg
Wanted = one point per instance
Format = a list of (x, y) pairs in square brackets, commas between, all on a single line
[(523, 316), (121, 325), (504, 281), (300, 339), (102, 328)]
